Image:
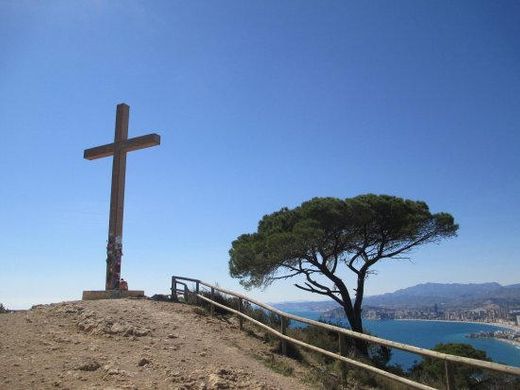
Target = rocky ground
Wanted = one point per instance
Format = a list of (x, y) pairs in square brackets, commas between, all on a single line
[(131, 344)]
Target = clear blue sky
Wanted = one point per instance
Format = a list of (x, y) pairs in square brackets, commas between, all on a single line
[(260, 105)]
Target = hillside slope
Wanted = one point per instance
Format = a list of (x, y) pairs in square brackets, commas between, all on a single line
[(130, 344)]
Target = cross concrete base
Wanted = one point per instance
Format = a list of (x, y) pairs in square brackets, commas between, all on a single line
[(111, 294)]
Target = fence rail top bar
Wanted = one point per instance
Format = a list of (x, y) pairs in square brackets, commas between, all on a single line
[(405, 347), (187, 279)]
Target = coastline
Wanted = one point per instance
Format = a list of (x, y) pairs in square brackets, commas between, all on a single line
[(514, 328), (495, 324), (512, 342), (427, 336)]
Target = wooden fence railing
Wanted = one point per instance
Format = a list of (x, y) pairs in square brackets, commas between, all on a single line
[(449, 360)]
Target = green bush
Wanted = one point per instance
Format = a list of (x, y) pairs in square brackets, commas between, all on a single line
[(432, 371)]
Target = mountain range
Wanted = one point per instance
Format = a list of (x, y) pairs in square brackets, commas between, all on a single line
[(426, 294)]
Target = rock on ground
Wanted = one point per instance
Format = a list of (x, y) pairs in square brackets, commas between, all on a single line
[(129, 344)]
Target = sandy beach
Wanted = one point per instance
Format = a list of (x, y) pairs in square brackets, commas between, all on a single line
[(512, 342), (515, 328)]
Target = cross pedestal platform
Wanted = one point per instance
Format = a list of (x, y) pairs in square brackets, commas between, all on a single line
[(111, 294)]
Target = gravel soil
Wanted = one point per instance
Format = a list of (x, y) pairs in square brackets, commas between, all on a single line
[(131, 344)]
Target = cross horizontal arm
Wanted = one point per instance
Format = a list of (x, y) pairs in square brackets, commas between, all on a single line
[(99, 152), (144, 141), (136, 143)]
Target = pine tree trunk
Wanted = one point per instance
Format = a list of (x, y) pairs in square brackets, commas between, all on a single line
[(356, 325)]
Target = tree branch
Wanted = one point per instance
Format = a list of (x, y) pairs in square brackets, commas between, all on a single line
[(309, 288), (351, 264), (282, 277), (407, 247)]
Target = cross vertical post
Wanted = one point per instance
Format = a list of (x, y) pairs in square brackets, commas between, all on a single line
[(117, 199)]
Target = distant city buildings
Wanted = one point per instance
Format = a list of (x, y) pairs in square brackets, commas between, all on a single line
[(491, 313)]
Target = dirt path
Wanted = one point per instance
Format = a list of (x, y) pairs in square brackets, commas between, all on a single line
[(129, 344)]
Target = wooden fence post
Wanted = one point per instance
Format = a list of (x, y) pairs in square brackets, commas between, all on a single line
[(212, 309), (197, 291), (450, 382), (341, 344), (186, 293), (283, 330), (174, 297), (240, 309), (342, 351)]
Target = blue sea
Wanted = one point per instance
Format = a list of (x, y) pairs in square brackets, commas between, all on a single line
[(427, 334)]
